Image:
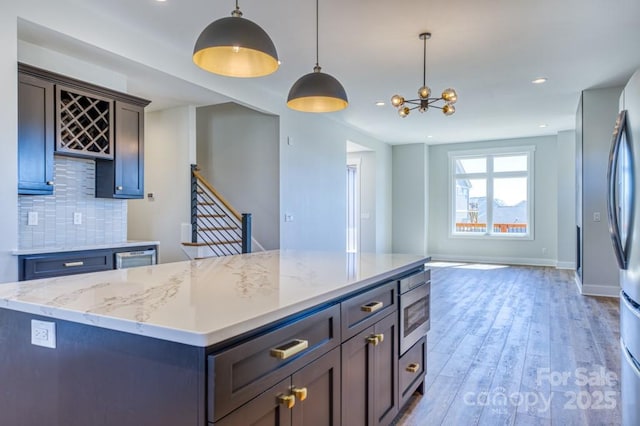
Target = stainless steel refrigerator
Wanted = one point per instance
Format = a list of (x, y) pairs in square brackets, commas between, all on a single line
[(624, 225)]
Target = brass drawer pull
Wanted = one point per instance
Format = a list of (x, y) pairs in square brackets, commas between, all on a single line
[(289, 349), (118, 188), (375, 339), (288, 400), (49, 183), (71, 264), (413, 367), (300, 393), (371, 306)]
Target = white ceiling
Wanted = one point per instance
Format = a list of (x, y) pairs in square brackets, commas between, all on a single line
[(488, 50)]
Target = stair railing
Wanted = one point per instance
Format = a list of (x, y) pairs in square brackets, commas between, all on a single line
[(214, 222)]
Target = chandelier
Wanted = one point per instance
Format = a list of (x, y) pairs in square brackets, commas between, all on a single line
[(424, 101)]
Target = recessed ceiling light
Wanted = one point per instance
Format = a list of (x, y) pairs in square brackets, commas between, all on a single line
[(379, 103), (429, 136), (542, 126), (539, 80)]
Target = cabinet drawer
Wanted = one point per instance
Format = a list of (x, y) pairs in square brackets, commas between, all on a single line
[(55, 265), (238, 374), (412, 368), (360, 312)]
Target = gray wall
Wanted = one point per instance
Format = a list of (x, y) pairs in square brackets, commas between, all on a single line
[(541, 250), (411, 198), (237, 151), (566, 200), (169, 152), (600, 270)]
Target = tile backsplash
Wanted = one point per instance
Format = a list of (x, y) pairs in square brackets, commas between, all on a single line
[(103, 220)]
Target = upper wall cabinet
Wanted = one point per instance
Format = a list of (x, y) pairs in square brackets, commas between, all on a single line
[(124, 176), (35, 135), (84, 123), (80, 120)]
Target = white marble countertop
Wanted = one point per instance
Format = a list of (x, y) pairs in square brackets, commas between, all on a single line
[(206, 301), (130, 243)]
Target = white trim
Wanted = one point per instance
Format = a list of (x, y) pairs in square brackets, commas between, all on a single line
[(566, 265), (520, 261), (600, 290)]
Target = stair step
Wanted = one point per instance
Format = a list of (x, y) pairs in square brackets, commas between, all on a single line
[(218, 228), (210, 215), (207, 203), (215, 243)]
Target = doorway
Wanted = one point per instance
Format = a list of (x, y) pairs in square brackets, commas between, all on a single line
[(353, 208)]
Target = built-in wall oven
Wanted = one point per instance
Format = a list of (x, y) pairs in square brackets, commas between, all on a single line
[(414, 294)]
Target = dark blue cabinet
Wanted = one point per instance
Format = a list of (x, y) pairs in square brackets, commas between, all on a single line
[(123, 177), (35, 135)]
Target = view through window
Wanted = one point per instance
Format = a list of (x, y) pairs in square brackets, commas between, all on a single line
[(492, 192)]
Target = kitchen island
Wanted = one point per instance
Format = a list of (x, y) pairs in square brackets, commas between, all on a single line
[(182, 343)]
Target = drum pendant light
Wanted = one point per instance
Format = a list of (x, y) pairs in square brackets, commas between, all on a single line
[(317, 91), (235, 47)]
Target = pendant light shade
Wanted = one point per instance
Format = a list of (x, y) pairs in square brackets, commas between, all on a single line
[(235, 47), (317, 91)]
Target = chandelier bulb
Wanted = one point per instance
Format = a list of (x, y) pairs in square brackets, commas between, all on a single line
[(448, 109), (397, 100), (403, 112), (450, 96), (424, 92)]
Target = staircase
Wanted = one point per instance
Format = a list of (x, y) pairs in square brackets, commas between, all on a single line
[(217, 229)]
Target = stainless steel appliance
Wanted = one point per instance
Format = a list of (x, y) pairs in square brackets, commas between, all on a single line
[(130, 259), (414, 294), (624, 225)]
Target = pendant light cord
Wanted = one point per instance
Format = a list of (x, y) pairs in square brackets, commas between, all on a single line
[(317, 32), (424, 63)]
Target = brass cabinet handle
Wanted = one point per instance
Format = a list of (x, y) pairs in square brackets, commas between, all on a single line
[(50, 183), (413, 367), (289, 349), (118, 188), (371, 306), (288, 400), (71, 264), (375, 339), (300, 393)]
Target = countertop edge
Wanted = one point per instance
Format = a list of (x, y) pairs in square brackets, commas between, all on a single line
[(47, 250), (205, 339)]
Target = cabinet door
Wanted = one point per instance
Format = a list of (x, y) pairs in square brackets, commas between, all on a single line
[(35, 135), (357, 352), (385, 371), (370, 375), (317, 391), (264, 410), (123, 177)]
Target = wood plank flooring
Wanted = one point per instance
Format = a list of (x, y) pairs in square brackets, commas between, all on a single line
[(517, 346)]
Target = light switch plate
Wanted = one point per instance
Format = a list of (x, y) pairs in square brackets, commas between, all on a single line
[(77, 218), (32, 219)]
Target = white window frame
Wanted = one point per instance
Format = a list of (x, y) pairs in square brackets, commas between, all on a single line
[(489, 175)]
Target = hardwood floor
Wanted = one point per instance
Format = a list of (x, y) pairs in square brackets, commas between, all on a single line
[(517, 346)]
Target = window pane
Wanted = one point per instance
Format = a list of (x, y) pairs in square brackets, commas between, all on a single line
[(510, 206), (471, 165), (510, 163), (471, 205)]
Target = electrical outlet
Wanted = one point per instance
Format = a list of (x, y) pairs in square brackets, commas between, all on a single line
[(43, 333), (288, 218), (77, 218), (32, 219), (596, 216)]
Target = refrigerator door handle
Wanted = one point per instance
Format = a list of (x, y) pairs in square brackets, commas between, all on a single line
[(612, 171)]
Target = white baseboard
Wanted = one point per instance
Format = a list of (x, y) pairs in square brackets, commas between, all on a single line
[(499, 260), (566, 265), (600, 290)]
